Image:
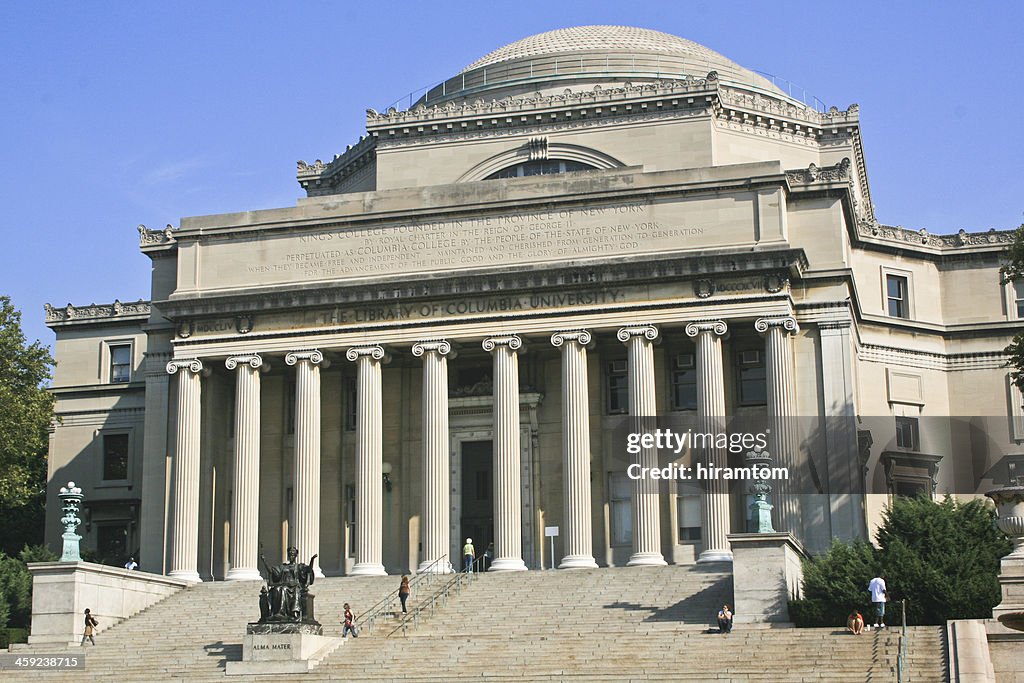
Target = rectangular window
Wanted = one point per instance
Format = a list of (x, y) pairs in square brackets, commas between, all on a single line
[(618, 388), (620, 497), (115, 457), (684, 383), (911, 488), (753, 378), (120, 363), (1018, 298), (112, 542), (688, 516), (896, 294), (350, 495), (351, 405), (289, 407), (907, 433)]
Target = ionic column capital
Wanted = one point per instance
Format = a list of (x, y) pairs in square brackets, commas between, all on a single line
[(716, 327), (581, 337), (650, 332), (441, 347), (373, 351), (512, 341), (253, 360), (312, 356), (786, 323), (193, 365)]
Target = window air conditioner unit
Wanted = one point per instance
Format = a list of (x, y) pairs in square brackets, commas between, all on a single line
[(750, 357)]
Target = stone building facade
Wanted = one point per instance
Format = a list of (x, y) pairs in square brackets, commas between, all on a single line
[(441, 338)]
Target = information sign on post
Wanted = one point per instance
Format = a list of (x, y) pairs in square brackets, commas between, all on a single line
[(551, 532)]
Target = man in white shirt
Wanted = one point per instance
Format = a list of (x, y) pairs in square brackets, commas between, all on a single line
[(131, 564), (877, 590)]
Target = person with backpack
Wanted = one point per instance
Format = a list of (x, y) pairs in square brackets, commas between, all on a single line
[(90, 627)]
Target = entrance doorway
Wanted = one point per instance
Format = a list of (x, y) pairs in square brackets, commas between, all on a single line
[(477, 514)]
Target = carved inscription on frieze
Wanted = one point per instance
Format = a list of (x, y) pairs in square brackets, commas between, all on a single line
[(556, 234)]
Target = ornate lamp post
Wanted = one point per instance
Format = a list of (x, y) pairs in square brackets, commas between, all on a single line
[(1009, 502), (71, 499)]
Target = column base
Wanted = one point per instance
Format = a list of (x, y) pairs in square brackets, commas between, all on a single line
[(190, 575), (243, 574), (647, 560), (507, 564), (578, 562), (368, 569), (718, 555), (434, 567)]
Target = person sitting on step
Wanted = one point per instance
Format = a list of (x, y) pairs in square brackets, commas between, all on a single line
[(855, 623), (725, 620)]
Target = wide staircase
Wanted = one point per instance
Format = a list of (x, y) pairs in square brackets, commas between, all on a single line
[(624, 624)]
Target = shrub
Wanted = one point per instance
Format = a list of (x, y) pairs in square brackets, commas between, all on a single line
[(943, 558)]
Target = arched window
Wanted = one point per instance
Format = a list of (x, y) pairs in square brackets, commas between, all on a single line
[(547, 167)]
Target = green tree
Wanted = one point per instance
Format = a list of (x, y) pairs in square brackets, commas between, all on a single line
[(1013, 270), (943, 558), (16, 585), (26, 409)]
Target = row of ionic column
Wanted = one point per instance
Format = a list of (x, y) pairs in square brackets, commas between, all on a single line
[(436, 486)]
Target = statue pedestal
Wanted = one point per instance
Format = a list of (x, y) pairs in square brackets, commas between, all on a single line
[(766, 572), (285, 648)]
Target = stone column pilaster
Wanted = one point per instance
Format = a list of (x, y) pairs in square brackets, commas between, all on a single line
[(306, 533), (781, 381), (643, 412), (245, 508), (436, 477), (185, 533), (369, 453), (575, 449), (711, 419), (508, 526)]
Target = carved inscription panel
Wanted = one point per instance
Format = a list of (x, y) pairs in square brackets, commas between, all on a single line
[(488, 240)]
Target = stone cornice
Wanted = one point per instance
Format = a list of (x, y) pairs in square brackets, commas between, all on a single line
[(681, 97), (717, 273), (947, 362), (156, 240), (96, 313), (319, 178)]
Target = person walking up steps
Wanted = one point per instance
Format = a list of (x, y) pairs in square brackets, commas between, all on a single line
[(90, 627), (469, 554)]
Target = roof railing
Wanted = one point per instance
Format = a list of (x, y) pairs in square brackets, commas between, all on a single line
[(619, 66)]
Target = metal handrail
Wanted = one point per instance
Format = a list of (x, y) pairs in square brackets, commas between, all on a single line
[(367, 618), (430, 604), (901, 652)]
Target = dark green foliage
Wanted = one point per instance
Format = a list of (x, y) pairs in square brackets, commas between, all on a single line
[(835, 584), (943, 558), (1012, 270), (16, 585)]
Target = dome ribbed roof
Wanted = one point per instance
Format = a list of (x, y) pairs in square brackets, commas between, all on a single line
[(587, 57), (605, 39)]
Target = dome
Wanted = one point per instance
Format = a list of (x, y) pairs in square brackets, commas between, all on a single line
[(591, 55), (627, 39)]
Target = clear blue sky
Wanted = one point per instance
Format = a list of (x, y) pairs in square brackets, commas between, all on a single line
[(118, 113)]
